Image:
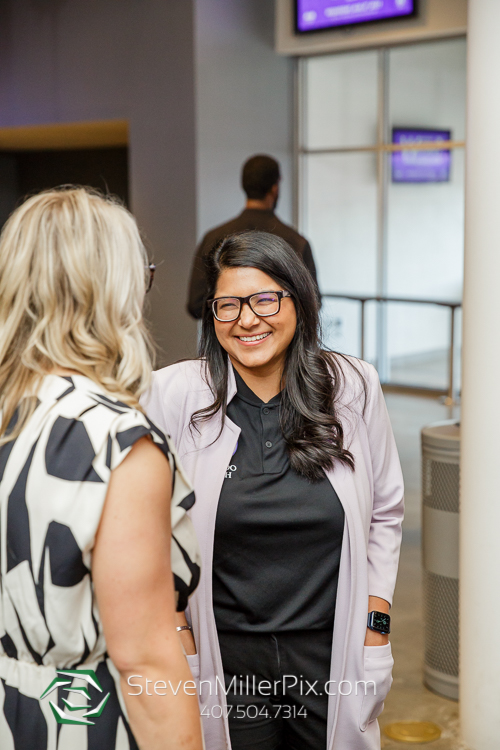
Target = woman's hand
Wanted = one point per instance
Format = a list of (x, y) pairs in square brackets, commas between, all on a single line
[(186, 636), (373, 638)]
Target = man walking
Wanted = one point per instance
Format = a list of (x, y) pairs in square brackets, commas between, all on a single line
[(260, 180)]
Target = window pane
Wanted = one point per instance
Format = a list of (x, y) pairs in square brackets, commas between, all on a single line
[(417, 344), (426, 236), (341, 220), (341, 325), (341, 100), (425, 221), (427, 86)]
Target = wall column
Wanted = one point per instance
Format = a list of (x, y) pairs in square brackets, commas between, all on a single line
[(480, 450)]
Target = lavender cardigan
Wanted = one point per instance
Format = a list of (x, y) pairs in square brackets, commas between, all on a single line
[(372, 497)]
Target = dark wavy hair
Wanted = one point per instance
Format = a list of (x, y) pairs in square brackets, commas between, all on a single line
[(313, 379)]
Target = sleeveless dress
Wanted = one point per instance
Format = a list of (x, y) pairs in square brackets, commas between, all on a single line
[(53, 483)]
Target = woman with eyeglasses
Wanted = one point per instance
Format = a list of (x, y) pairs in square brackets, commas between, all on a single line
[(299, 510), (96, 549)]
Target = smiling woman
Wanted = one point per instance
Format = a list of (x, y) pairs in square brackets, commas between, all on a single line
[(299, 510), (257, 334), (289, 357)]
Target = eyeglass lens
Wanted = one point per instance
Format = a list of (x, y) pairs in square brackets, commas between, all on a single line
[(263, 304)]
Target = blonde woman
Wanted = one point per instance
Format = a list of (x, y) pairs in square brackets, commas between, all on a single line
[(87, 485)]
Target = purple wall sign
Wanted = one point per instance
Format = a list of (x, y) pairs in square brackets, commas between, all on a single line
[(420, 166), (328, 14)]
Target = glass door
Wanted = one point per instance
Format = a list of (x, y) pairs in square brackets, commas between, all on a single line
[(383, 213)]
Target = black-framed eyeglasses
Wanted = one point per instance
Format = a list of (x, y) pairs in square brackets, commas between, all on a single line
[(263, 304), (151, 268)]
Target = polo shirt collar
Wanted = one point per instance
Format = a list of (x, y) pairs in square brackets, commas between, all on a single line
[(246, 393)]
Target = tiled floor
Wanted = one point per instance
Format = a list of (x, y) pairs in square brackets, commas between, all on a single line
[(409, 700)]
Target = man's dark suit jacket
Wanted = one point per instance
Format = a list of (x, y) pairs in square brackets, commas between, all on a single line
[(250, 218)]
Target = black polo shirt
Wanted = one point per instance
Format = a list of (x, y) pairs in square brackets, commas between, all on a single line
[(277, 536)]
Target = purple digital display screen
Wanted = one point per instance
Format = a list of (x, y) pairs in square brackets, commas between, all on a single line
[(313, 15), (420, 166)]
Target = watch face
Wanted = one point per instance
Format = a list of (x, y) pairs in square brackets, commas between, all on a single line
[(381, 621)]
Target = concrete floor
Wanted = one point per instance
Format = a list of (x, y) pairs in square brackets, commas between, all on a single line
[(409, 700)]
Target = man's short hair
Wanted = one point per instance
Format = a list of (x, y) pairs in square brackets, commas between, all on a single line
[(260, 173)]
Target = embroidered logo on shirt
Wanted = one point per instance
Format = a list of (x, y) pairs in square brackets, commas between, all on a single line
[(229, 470), (231, 467)]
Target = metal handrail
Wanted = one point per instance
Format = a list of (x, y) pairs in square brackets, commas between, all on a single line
[(452, 305), (387, 147)]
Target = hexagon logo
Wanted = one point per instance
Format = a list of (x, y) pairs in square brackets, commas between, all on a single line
[(88, 676)]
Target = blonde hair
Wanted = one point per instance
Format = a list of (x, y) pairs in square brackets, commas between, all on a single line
[(72, 284)]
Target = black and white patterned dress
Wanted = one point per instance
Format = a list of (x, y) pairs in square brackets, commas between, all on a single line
[(53, 483)]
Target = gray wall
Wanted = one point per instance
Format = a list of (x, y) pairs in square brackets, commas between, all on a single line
[(243, 104), (202, 89), (67, 60)]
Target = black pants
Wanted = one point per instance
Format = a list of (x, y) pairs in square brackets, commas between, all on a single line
[(268, 677)]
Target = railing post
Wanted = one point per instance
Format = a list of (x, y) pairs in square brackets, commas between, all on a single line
[(450, 400)]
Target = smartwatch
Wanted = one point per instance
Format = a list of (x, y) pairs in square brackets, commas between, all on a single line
[(379, 622)]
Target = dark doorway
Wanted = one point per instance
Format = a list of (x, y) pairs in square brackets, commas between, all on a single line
[(23, 173)]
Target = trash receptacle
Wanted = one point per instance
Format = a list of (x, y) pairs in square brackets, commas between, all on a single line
[(440, 508)]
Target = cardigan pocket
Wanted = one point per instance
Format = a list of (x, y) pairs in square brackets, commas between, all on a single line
[(378, 664), (194, 665)]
